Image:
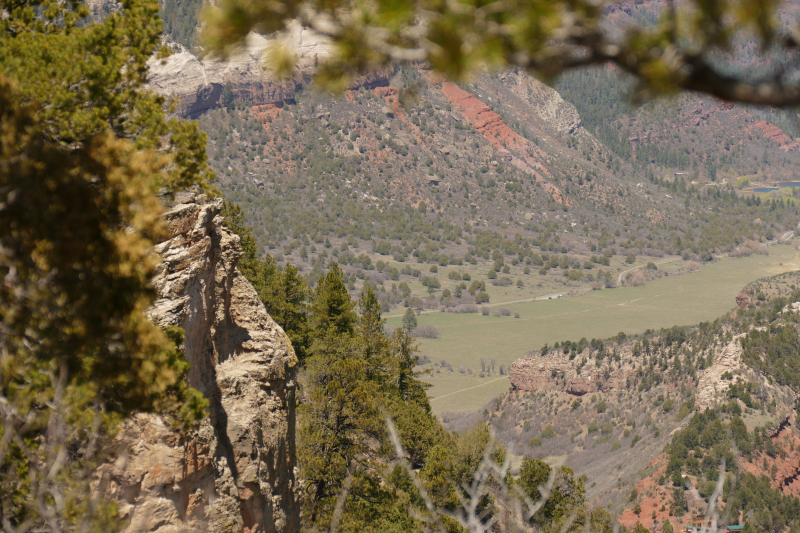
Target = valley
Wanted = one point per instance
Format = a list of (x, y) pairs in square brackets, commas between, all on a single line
[(686, 299)]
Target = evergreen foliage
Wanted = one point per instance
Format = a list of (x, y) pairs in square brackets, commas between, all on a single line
[(409, 320), (83, 151)]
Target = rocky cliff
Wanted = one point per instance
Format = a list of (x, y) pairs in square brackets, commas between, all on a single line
[(556, 371), (236, 472), (581, 373), (199, 83)]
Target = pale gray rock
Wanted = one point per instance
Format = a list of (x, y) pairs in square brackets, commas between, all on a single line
[(235, 473), (199, 83), (544, 101)]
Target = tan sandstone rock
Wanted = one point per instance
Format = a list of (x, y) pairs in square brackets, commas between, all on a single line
[(198, 83), (555, 371), (236, 472)]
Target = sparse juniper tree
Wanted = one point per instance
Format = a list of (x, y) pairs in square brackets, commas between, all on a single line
[(84, 151), (565, 497), (409, 320)]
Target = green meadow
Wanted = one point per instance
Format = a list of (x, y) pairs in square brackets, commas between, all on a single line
[(672, 300)]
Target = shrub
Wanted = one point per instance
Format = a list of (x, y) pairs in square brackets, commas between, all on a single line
[(482, 298), (535, 442), (466, 277), (549, 432), (668, 405), (463, 308), (504, 312), (601, 406), (426, 332), (434, 269), (616, 446), (431, 283), (485, 310), (691, 266), (593, 428)]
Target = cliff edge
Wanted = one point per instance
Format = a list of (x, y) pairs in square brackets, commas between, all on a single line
[(236, 472)]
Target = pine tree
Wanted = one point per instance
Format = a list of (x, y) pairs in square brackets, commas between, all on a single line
[(339, 421), (410, 389), (332, 308), (380, 365), (76, 229)]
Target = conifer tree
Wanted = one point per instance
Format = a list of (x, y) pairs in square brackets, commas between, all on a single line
[(409, 320), (83, 151), (339, 421), (380, 365), (409, 387), (332, 308)]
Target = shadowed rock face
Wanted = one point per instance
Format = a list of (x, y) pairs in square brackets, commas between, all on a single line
[(236, 472)]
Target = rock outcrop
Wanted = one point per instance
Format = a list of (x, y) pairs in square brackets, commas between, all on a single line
[(236, 472), (544, 101), (519, 151), (556, 371), (711, 388), (199, 84)]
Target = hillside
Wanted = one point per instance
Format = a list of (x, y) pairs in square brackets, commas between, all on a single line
[(500, 174), (632, 405)]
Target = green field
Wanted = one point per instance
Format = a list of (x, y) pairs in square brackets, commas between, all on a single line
[(674, 300)]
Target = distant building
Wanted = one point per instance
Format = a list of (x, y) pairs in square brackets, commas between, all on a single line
[(736, 528)]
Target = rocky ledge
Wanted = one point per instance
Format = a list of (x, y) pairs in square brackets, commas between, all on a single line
[(236, 472)]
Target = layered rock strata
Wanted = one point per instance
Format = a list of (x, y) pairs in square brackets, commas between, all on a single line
[(236, 472)]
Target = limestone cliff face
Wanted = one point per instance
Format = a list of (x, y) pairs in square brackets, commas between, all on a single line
[(236, 473), (199, 83)]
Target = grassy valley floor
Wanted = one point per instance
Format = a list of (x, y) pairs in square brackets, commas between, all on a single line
[(673, 300)]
